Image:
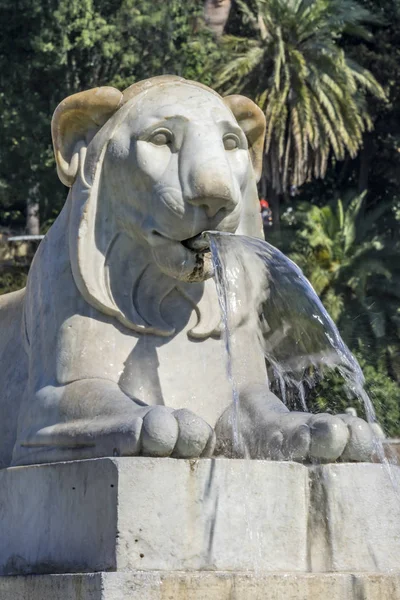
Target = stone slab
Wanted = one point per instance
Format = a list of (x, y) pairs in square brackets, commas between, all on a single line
[(130, 514), (127, 514), (354, 518), (58, 518), (201, 586)]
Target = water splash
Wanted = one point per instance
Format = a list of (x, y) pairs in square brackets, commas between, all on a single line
[(299, 339)]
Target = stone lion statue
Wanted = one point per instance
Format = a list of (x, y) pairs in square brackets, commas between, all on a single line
[(113, 347)]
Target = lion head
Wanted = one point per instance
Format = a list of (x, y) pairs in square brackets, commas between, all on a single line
[(150, 169)]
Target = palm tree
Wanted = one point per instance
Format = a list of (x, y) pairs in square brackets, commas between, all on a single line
[(313, 94), (355, 272)]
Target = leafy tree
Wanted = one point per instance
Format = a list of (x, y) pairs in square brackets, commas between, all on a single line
[(12, 278), (52, 48), (377, 166), (313, 93), (353, 268)]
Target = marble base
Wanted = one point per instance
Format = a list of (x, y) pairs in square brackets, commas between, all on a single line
[(201, 586), (129, 514), (144, 514)]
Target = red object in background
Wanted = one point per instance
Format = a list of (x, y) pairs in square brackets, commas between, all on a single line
[(266, 213)]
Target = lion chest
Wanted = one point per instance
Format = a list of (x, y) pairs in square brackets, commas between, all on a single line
[(177, 371)]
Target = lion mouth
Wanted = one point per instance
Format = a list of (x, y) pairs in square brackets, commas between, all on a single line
[(187, 260), (198, 243)]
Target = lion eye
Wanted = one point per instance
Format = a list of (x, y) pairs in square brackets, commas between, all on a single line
[(231, 142), (161, 138)]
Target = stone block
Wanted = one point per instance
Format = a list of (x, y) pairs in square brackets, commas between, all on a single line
[(202, 586), (131, 514), (354, 518), (144, 514)]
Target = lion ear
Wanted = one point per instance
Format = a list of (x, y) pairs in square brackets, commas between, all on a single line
[(75, 122), (252, 120)]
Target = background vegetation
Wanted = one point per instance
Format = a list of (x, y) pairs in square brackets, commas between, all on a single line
[(327, 75)]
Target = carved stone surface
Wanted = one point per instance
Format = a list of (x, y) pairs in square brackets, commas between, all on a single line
[(146, 514), (202, 586), (114, 348)]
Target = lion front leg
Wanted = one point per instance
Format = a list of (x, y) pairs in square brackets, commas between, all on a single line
[(266, 429), (93, 418)]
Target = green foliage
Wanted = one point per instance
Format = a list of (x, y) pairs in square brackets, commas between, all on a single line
[(313, 93), (12, 279), (377, 167), (332, 395), (382, 153), (164, 37), (51, 49)]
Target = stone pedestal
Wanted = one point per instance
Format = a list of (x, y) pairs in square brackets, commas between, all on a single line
[(206, 529), (154, 514), (153, 585)]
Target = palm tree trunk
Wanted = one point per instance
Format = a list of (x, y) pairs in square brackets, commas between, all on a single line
[(32, 211), (216, 13)]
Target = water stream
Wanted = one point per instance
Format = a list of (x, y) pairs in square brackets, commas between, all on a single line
[(258, 283)]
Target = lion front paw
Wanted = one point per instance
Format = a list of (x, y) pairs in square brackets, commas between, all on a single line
[(179, 433), (302, 437)]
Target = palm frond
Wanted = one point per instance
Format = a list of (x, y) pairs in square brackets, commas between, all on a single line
[(314, 96)]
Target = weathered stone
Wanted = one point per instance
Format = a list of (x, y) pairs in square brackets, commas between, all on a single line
[(355, 518), (154, 514), (215, 514), (201, 586)]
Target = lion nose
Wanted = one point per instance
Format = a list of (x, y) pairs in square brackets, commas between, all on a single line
[(210, 186), (211, 204)]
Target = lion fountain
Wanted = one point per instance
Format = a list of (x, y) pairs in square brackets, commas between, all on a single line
[(114, 350), (113, 336)]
